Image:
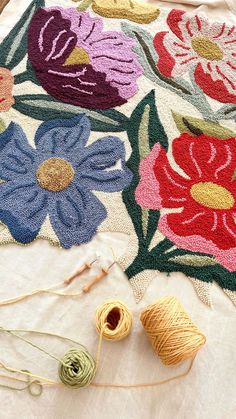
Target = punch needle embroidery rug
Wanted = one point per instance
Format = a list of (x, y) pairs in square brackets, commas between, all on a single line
[(117, 116)]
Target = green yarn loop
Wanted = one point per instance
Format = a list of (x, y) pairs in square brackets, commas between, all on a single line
[(77, 368)]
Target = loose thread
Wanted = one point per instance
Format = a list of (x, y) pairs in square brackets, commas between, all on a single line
[(166, 323), (85, 289)]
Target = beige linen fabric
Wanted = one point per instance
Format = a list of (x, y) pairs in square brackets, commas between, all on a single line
[(218, 9), (207, 393)]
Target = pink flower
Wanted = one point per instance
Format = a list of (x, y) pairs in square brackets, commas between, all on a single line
[(199, 205), (208, 48)]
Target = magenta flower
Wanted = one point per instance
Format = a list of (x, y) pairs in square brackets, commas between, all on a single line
[(79, 63)]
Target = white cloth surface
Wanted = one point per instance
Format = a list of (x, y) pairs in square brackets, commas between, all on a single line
[(214, 8), (208, 392)]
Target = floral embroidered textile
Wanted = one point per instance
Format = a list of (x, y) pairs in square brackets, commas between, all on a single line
[(120, 127), (57, 179), (205, 196), (208, 48)]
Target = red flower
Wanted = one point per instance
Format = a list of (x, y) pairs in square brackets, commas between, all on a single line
[(198, 195), (208, 48)]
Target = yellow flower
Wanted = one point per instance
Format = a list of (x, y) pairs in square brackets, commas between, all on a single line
[(124, 9)]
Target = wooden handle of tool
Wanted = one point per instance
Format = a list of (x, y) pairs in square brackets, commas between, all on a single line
[(94, 280), (81, 269)]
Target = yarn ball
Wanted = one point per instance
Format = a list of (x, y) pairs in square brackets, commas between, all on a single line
[(172, 333), (77, 368), (114, 320)]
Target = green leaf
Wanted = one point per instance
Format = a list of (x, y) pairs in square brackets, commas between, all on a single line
[(194, 260), (14, 46), (197, 126), (226, 112), (31, 73), (144, 130), (145, 122), (45, 107)]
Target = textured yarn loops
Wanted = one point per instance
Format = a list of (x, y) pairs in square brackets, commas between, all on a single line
[(113, 320), (172, 333), (77, 368)]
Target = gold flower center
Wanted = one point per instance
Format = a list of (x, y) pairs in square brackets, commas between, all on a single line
[(55, 174), (207, 48), (77, 56), (212, 195)]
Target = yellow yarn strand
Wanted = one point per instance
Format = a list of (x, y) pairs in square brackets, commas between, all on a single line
[(41, 291), (171, 332)]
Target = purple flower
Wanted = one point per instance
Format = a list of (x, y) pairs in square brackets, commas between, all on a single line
[(79, 63), (57, 179)]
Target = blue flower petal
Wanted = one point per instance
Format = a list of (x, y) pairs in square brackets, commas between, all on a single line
[(16, 155), (23, 207), (75, 216), (97, 158), (63, 135), (20, 233)]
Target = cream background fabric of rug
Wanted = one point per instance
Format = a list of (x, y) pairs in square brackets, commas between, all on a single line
[(209, 390)]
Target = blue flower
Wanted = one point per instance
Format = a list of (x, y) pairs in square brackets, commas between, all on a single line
[(56, 178)]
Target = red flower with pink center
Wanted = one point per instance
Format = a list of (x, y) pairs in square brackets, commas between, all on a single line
[(197, 197), (208, 48)]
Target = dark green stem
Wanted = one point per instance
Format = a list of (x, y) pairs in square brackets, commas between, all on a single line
[(20, 78), (161, 247), (230, 110)]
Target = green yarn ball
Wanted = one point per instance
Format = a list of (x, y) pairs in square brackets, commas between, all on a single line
[(77, 368)]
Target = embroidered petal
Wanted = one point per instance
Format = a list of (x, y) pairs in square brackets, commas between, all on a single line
[(215, 88), (202, 222), (86, 27), (80, 85), (104, 154), (193, 25), (174, 19), (16, 155), (203, 232), (184, 57), (217, 162), (23, 207), (147, 193), (50, 39), (63, 135), (160, 186), (76, 216), (118, 61), (165, 62), (173, 187)]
